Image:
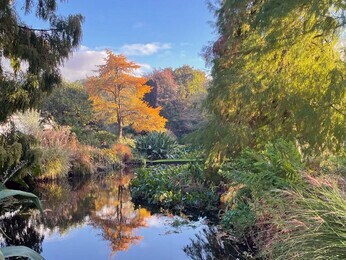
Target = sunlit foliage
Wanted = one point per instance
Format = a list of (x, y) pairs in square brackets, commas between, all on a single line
[(117, 95), (277, 73)]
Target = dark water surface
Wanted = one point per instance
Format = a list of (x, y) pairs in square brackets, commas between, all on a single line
[(95, 219)]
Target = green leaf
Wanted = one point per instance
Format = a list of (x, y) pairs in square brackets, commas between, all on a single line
[(22, 251), (7, 193)]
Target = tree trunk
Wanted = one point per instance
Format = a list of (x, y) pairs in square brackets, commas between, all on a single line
[(120, 127), (120, 130)]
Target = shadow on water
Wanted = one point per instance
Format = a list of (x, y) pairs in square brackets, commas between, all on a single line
[(103, 203)]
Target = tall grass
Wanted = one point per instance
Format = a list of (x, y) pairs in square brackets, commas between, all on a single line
[(314, 225), (61, 151)]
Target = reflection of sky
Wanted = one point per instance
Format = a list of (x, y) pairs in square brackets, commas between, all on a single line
[(160, 241)]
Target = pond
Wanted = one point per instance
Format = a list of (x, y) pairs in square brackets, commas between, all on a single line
[(94, 218)]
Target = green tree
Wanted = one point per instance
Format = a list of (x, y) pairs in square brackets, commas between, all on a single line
[(190, 81), (277, 73), (42, 50), (69, 105)]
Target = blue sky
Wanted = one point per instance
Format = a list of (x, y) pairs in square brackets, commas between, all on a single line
[(154, 33)]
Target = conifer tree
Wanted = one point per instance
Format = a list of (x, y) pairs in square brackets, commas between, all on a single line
[(34, 53), (277, 73)]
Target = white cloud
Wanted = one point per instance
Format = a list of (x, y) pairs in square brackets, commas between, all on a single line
[(145, 68), (140, 49), (82, 63)]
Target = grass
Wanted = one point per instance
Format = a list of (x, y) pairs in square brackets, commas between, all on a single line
[(315, 227)]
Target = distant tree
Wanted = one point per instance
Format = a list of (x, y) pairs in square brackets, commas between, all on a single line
[(167, 87), (179, 93), (191, 81), (117, 95), (41, 50)]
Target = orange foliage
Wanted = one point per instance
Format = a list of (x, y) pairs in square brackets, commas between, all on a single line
[(116, 215), (122, 151), (117, 95)]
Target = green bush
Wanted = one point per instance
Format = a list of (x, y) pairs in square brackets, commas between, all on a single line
[(277, 166), (96, 138), (158, 145), (18, 149), (175, 187), (240, 220), (253, 178)]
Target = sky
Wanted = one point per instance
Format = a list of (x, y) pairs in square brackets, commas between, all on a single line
[(153, 33)]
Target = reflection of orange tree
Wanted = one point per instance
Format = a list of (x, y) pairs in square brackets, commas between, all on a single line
[(115, 214)]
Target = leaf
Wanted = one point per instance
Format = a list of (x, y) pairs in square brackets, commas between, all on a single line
[(7, 193), (21, 251)]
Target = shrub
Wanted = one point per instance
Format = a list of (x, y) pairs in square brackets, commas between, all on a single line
[(28, 122), (157, 145), (277, 166), (55, 162), (253, 178), (18, 149), (96, 138), (175, 187), (240, 220), (63, 154), (119, 153)]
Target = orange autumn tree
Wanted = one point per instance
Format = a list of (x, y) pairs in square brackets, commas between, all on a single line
[(117, 95)]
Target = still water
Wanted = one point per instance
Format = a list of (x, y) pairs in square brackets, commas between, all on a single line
[(96, 219)]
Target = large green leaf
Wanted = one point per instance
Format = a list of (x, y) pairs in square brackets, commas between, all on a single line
[(22, 251), (7, 193)]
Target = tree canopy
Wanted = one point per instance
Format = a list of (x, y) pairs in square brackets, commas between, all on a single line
[(180, 93), (117, 95), (277, 73), (34, 53)]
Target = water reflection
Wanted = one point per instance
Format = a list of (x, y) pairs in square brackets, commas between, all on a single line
[(21, 230), (104, 203), (115, 213), (78, 212), (212, 244)]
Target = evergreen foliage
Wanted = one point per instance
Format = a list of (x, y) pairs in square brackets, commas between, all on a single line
[(277, 73), (18, 156), (41, 50), (69, 105)]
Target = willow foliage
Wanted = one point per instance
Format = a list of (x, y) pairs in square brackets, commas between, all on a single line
[(277, 73)]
